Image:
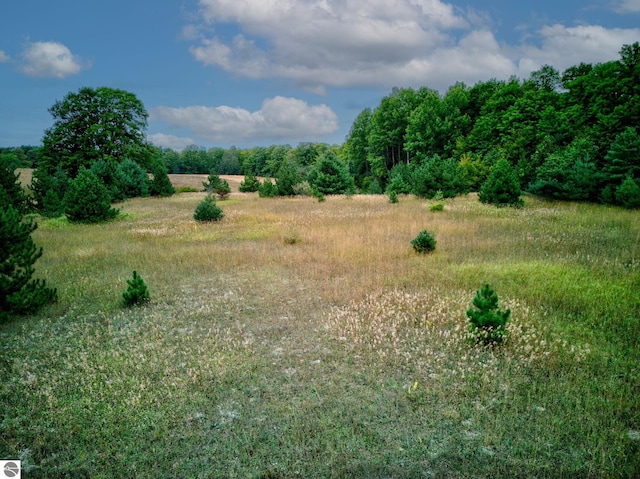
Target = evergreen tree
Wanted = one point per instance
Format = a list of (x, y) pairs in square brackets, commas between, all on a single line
[(330, 176), (160, 184), (628, 193), (217, 185), (11, 192), (88, 200), (135, 181), (488, 322), (502, 188), (287, 178), (19, 293), (250, 184), (208, 210)]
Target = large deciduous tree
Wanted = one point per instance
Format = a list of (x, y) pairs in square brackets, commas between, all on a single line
[(92, 124)]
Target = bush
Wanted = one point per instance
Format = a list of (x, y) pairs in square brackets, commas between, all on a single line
[(250, 184), (393, 196), (628, 193), (424, 242), (487, 320), (87, 199), (137, 292), (19, 294), (502, 188), (268, 189), (208, 210)]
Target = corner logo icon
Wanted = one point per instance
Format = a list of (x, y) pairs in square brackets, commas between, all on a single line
[(10, 469)]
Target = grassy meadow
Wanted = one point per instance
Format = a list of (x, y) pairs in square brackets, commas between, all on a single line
[(298, 338)]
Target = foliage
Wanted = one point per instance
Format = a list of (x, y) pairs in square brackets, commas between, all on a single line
[(217, 185), (250, 184), (330, 176), (87, 200), (268, 189), (19, 293), (436, 175), (424, 242), (628, 193), (502, 188), (112, 176), (93, 124), (136, 293), (160, 183), (488, 322), (135, 181), (438, 204), (287, 178), (208, 210), (393, 197), (49, 190), (11, 192)]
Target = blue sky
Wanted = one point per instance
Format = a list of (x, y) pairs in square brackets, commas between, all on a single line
[(261, 72)]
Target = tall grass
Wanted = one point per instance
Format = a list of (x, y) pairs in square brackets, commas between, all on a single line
[(305, 339)]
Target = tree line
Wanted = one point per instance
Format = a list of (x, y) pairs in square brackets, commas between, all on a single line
[(570, 135)]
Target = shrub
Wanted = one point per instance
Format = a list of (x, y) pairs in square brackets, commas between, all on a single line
[(424, 242), (250, 184), (439, 202), (268, 189), (628, 193), (87, 199), (393, 196), (303, 189), (487, 320), (19, 294), (208, 210), (186, 189), (502, 188), (137, 292)]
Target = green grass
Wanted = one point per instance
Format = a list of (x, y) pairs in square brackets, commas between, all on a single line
[(305, 339)]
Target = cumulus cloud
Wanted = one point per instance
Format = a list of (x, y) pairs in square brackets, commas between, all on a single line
[(383, 43), (174, 142), (4, 58), (50, 59), (563, 47), (627, 6), (279, 118), (321, 43)]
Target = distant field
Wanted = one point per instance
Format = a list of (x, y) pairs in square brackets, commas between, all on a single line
[(305, 339)]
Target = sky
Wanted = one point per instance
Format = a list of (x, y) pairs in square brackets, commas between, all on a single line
[(260, 72)]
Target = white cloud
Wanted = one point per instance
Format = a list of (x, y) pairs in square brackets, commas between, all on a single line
[(563, 47), (279, 119), (627, 6), (163, 140), (384, 43), (50, 59), (4, 58), (323, 42)]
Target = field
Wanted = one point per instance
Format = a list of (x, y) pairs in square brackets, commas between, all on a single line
[(298, 338)]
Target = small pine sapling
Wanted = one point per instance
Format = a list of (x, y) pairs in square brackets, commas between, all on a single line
[(137, 292), (424, 242), (208, 210), (488, 322)]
